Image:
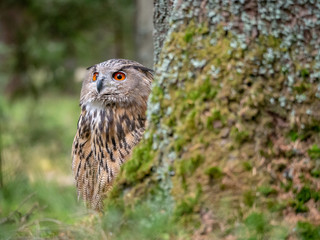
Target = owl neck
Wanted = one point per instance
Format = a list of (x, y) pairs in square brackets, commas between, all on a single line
[(113, 117)]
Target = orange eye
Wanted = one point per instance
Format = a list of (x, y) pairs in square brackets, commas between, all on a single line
[(95, 76), (119, 76)]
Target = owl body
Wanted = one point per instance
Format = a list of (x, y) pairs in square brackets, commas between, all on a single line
[(112, 121)]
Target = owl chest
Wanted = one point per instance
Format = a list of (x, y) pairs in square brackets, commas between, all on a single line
[(112, 134)]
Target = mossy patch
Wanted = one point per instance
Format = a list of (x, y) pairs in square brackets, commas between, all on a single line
[(141, 163), (314, 152), (307, 231), (214, 173)]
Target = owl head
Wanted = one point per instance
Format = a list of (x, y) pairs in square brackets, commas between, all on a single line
[(116, 81)]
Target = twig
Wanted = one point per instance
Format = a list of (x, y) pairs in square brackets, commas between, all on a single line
[(28, 214), (1, 160), (15, 212), (51, 220)]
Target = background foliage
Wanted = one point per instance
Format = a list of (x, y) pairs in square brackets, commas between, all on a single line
[(44, 41), (232, 150), (45, 47)]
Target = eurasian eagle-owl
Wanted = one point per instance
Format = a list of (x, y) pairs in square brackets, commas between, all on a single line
[(113, 104)]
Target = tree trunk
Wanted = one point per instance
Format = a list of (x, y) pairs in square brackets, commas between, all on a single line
[(161, 17), (233, 140), (144, 29)]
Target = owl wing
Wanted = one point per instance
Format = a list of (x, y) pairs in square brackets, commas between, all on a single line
[(83, 163), (114, 147), (98, 154)]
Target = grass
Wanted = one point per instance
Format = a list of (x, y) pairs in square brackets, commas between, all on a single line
[(38, 198), (38, 209)]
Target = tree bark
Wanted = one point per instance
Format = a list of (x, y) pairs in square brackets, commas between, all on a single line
[(234, 116), (144, 30), (161, 17)]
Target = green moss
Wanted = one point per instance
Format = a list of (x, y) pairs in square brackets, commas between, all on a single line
[(141, 162), (293, 135), (300, 207), (307, 231), (209, 92), (276, 206), (304, 195), (314, 152), (240, 136), (266, 190), (315, 173), (214, 173), (215, 116), (286, 186), (205, 91), (157, 93), (258, 226), (257, 222), (249, 198), (189, 166), (191, 122), (247, 166), (304, 73), (188, 36), (302, 87), (179, 144), (186, 206)]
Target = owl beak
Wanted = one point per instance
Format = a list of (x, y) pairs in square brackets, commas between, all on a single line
[(99, 84)]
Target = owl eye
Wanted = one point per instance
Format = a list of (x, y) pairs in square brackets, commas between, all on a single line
[(95, 76), (119, 76)]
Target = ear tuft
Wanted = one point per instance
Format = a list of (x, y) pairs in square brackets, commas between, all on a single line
[(88, 68), (145, 70)]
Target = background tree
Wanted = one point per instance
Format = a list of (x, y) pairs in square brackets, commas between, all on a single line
[(43, 42), (144, 30)]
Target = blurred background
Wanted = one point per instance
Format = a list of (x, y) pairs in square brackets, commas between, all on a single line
[(45, 47)]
